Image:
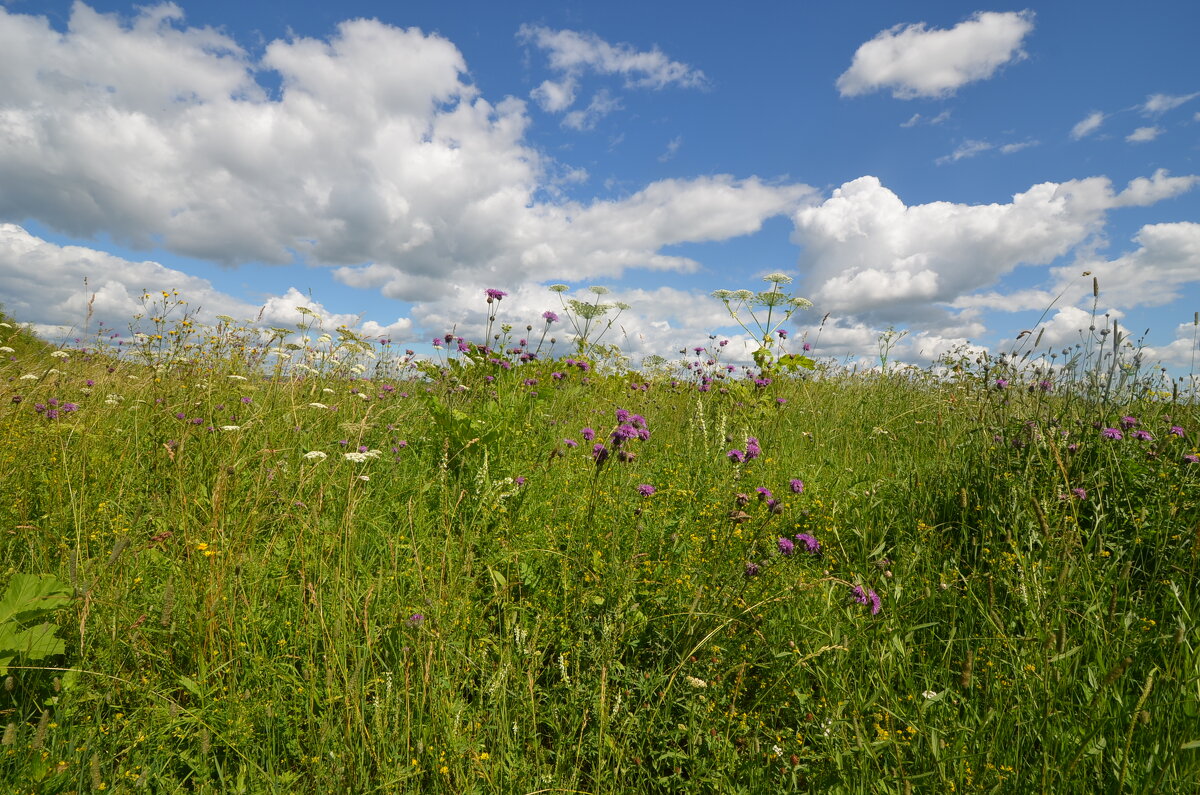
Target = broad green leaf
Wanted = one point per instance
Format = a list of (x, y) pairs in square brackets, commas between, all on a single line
[(30, 595), (34, 643)]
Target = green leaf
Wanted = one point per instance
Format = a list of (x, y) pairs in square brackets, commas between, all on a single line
[(29, 596), (794, 361), (34, 643)]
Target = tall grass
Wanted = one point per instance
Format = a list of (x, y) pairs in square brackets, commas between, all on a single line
[(477, 604)]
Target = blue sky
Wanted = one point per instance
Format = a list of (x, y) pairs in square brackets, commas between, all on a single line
[(939, 168)]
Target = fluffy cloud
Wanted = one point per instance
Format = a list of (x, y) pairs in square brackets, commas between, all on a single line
[(59, 287), (573, 53), (915, 61), (1167, 258), (1143, 134), (1157, 104), (866, 252), (1088, 125), (376, 156)]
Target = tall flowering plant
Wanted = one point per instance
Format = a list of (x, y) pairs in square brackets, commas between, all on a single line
[(762, 315)]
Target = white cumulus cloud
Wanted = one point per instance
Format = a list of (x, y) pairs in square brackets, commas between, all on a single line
[(376, 157), (572, 52), (1143, 134), (1088, 125), (915, 61)]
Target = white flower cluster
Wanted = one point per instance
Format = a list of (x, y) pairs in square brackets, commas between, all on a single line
[(359, 457), (60, 355), (315, 455)]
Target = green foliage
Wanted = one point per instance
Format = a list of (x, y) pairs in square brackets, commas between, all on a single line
[(27, 600), (303, 569)]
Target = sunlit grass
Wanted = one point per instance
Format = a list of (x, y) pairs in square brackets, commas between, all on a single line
[(306, 562)]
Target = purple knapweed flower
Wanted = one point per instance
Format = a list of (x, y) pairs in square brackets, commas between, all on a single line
[(1079, 493), (600, 453), (622, 415), (723, 343), (786, 547), (1176, 430), (796, 485), (1001, 383), (810, 543), (645, 489), (868, 597), (752, 570), (752, 449), (494, 294), (570, 443), (588, 434), (1112, 433), (806, 347), (1192, 459), (531, 382), (736, 456), (416, 620), (558, 376), (1128, 422), (1143, 436), (764, 493), (520, 481), (782, 334), (550, 317)]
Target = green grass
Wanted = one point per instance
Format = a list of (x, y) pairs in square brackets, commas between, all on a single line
[(246, 619)]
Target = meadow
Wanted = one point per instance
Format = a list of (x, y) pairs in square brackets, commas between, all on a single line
[(298, 561)]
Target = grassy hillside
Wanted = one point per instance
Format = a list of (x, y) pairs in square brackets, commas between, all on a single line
[(316, 565)]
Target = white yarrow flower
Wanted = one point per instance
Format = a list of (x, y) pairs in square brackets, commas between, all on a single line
[(237, 378), (231, 427), (60, 355), (316, 455), (29, 377), (6, 349), (317, 406), (695, 682)]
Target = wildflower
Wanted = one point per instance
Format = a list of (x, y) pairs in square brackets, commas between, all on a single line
[(752, 449), (356, 456), (1176, 430), (786, 547), (929, 695), (315, 455), (494, 294), (231, 427), (1192, 459), (600, 453), (570, 443), (646, 489), (764, 493), (1112, 433), (694, 682), (752, 570), (236, 377), (29, 377), (1128, 422), (868, 597), (797, 485), (782, 333), (60, 355), (416, 620), (6, 349), (550, 317), (810, 543), (736, 456), (317, 406), (588, 434), (1001, 383), (1143, 436), (807, 347)]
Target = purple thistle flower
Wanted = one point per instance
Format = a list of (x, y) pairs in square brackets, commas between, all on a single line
[(1128, 422), (797, 485), (1192, 459), (52, 414), (494, 294), (600, 453), (764, 493), (752, 449), (786, 547), (782, 334), (646, 489), (1143, 436), (752, 570), (520, 481), (1112, 433), (1080, 493), (868, 597), (550, 317), (1001, 383), (622, 415), (736, 456), (570, 443), (807, 347), (588, 434), (810, 543), (416, 620), (1176, 430)]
